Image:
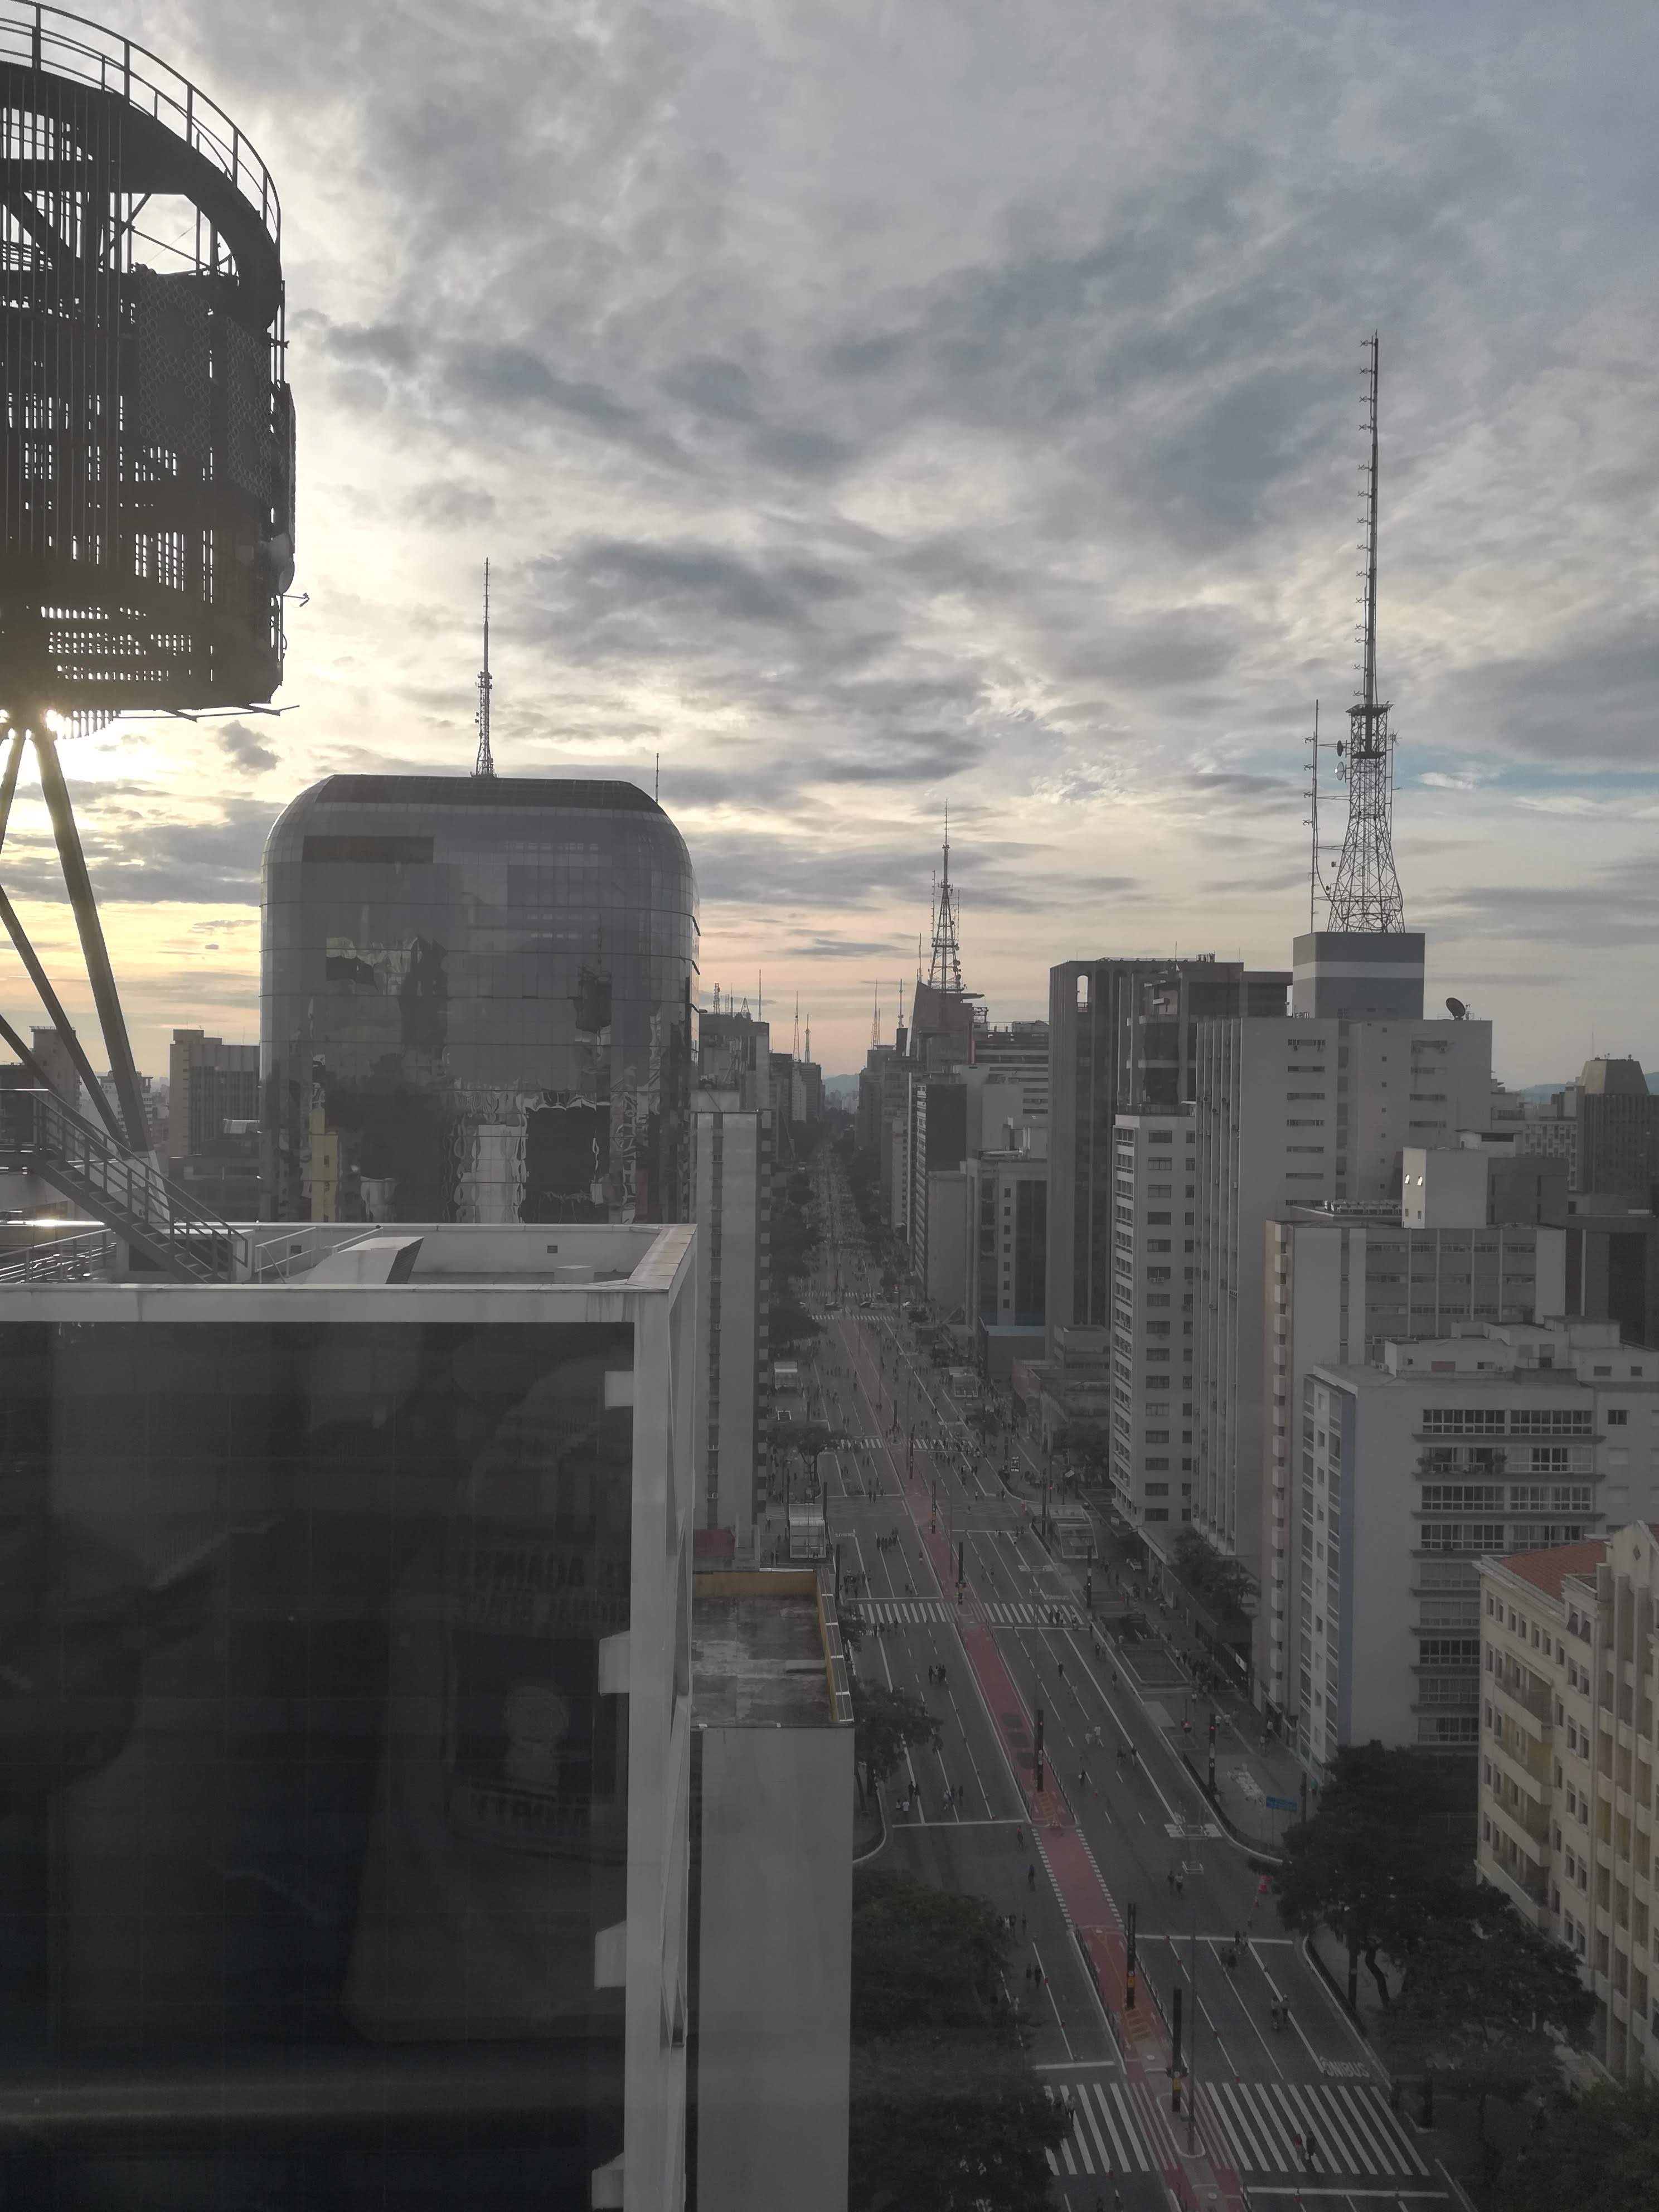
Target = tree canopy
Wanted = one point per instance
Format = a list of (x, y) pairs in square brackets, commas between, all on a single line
[(1488, 1999), (1384, 1856), (885, 1723), (947, 2114), (1600, 2154)]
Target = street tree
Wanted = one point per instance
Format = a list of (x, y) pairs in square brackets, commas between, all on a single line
[(1385, 1856), (1600, 2153), (886, 1723), (1487, 2004), (947, 2115)]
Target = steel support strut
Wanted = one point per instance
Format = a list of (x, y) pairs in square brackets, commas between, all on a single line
[(98, 973)]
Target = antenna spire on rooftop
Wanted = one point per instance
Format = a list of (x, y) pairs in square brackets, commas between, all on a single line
[(945, 967), (1364, 895), (485, 763)]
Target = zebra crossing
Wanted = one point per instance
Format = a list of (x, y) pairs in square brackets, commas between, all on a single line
[(1016, 1613), (904, 1612), (1004, 1613), (1268, 2127), (1105, 2135)]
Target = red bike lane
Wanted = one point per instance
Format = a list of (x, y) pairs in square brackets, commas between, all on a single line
[(1199, 2179)]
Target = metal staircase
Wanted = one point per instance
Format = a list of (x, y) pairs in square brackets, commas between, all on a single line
[(166, 1231)]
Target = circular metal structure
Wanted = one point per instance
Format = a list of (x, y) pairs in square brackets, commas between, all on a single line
[(147, 470)]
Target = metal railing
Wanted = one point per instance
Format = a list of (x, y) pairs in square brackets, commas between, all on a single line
[(81, 1255), (33, 36), (130, 1184)]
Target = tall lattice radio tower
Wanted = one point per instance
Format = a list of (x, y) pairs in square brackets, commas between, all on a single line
[(1365, 893), (945, 963)]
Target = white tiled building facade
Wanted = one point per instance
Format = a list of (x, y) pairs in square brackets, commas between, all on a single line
[(1151, 1461), (1494, 1439), (1569, 1819)]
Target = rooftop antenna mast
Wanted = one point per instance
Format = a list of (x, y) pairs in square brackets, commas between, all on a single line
[(485, 764), (875, 1021), (945, 967), (1310, 821), (1364, 895), (794, 1046)]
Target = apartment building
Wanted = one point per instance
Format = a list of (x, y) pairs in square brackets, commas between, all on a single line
[(1568, 1816), (1342, 1278), (1122, 1038), (1152, 1419), (1498, 1437), (1288, 1113)]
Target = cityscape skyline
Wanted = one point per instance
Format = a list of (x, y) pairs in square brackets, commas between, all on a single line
[(1045, 513)]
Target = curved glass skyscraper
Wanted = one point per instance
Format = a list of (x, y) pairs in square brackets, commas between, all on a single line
[(474, 1002)]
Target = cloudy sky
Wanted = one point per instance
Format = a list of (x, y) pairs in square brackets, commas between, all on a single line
[(869, 407)]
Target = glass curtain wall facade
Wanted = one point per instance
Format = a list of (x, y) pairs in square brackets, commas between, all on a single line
[(315, 1804), (475, 1003)]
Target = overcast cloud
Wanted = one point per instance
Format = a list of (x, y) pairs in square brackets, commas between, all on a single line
[(866, 408)]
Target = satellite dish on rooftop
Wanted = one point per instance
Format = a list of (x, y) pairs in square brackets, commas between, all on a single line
[(1457, 1010)]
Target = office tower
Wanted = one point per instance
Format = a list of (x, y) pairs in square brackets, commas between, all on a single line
[(1018, 1054), (474, 1002), (772, 1890), (349, 1776), (1289, 1112), (1122, 1039), (1152, 1273), (1497, 1438), (209, 1083), (1566, 1683), (1341, 1279), (1618, 1132)]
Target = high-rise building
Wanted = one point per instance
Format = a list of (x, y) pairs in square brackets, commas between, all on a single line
[(1342, 1279), (474, 1002), (1152, 1273), (1568, 1761), (1122, 1039), (732, 1167), (348, 1721), (1618, 1132), (1498, 1437), (1289, 1112), (209, 1083)]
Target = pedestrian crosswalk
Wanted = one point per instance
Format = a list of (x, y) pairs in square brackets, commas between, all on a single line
[(903, 1612), (1018, 1612), (1309, 2128), (1104, 2137), (1006, 1613)]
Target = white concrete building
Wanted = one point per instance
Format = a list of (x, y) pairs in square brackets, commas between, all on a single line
[(1499, 1438), (772, 1761), (732, 1167), (1569, 1764), (1340, 1280), (1286, 1113), (407, 1728), (1151, 1461)]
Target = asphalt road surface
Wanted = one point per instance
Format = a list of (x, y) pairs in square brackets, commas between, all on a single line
[(1299, 2110)]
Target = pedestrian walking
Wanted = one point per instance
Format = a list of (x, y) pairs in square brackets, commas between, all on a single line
[(1022, 1927), (1313, 2152), (1031, 1877)]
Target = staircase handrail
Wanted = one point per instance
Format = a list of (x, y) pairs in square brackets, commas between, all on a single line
[(129, 1180)]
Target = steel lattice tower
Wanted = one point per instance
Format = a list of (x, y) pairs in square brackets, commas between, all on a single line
[(1364, 893), (945, 964)]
